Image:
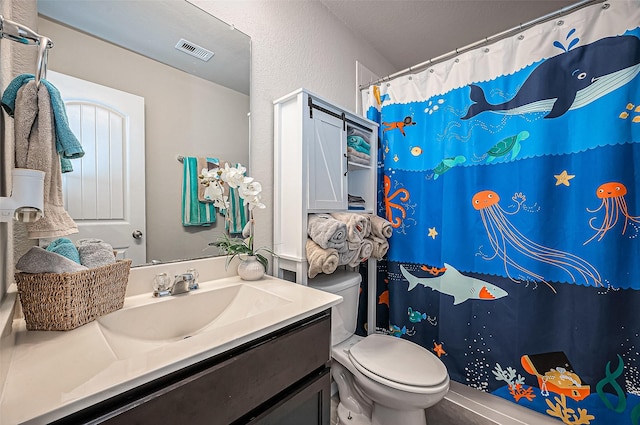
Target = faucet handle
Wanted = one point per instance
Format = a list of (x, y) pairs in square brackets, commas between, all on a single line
[(161, 282), (194, 272), (196, 275)]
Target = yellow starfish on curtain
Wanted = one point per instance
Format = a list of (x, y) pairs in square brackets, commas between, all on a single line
[(432, 232), (563, 178)]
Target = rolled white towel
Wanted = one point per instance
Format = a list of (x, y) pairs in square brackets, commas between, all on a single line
[(321, 260), (363, 253), (39, 260), (380, 247), (326, 231), (95, 253), (380, 227), (358, 225), (347, 256)]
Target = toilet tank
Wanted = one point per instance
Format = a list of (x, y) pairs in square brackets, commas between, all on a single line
[(344, 315)]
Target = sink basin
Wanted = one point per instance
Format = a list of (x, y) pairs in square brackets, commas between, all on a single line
[(164, 320)]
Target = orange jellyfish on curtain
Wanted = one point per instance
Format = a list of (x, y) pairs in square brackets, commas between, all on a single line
[(615, 205), (389, 205), (508, 243)]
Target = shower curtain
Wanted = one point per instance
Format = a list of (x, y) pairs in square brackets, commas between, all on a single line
[(509, 175)]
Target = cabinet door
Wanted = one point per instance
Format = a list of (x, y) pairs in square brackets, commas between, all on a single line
[(307, 404), (327, 163)]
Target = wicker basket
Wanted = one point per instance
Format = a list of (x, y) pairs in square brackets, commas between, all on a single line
[(64, 301)]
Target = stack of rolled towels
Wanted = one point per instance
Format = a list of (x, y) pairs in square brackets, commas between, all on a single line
[(344, 239), (63, 256), (358, 147)]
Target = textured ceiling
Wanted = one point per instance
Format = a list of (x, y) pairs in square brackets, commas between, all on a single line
[(408, 32)]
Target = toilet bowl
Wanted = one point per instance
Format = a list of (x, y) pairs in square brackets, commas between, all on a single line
[(381, 379)]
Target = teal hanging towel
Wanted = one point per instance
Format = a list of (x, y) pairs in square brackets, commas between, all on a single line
[(194, 212)]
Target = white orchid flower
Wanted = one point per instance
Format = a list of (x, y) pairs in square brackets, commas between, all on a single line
[(215, 192), (206, 176), (253, 202), (233, 176), (251, 188), (250, 192), (221, 203)]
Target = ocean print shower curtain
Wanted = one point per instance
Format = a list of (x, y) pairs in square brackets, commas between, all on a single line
[(511, 176)]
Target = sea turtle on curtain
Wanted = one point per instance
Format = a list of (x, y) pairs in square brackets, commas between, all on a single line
[(569, 80), (505, 146), (446, 164)]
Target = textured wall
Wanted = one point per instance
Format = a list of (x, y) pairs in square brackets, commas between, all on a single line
[(293, 44), (15, 59)]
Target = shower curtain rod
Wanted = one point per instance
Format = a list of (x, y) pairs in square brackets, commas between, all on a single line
[(486, 40)]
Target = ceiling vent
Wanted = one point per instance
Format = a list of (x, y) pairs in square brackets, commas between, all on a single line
[(194, 50)]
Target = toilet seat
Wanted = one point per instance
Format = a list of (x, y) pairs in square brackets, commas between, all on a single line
[(399, 364)]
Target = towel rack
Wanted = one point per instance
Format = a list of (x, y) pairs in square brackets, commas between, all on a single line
[(22, 34)]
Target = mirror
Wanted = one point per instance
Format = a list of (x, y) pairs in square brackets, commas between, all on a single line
[(192, 108)]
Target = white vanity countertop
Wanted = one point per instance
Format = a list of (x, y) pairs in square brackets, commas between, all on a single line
[(53, 374)]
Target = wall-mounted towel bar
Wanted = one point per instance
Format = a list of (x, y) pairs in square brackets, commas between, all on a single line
[(22, 34)]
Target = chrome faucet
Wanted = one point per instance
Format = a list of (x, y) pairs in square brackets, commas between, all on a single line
[(182, 283)]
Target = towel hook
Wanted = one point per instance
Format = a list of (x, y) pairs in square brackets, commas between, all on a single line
[(43, 46)]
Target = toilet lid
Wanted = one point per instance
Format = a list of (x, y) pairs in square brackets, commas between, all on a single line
[(398, 361)]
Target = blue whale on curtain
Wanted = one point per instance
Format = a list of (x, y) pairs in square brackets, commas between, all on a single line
[(569, 80)]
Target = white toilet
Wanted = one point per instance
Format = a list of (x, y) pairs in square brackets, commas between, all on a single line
[(381, 379)]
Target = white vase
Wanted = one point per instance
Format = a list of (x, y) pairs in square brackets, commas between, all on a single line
[(250, 268)]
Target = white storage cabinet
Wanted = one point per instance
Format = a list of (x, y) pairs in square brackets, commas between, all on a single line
[(313, 174)]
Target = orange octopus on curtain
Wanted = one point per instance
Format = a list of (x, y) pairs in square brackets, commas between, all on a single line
[(389, 205)]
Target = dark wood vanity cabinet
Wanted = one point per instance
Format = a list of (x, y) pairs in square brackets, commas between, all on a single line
[(282, 378)]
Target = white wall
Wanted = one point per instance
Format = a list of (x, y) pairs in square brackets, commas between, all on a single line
[(293, 44)]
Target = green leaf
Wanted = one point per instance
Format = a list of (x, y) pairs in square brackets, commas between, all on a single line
[(263, 260)]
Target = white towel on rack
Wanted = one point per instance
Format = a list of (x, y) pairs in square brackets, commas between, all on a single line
[(320, 260), (326, 231), (358, 226), (363, 252), (380, 227), (35, 148)]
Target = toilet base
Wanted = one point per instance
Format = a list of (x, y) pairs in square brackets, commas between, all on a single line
[(385, 416), (345, 417), (381, 416)]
